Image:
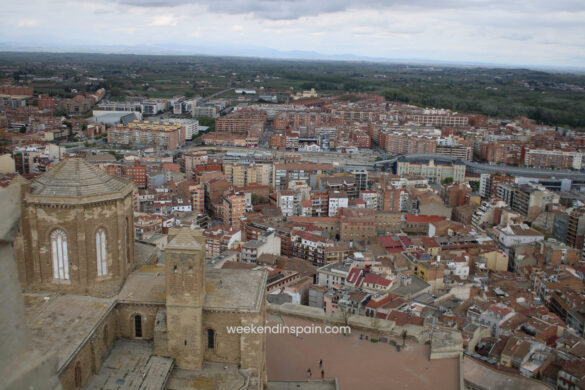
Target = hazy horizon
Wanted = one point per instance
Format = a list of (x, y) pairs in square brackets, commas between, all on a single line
[(538, 35)]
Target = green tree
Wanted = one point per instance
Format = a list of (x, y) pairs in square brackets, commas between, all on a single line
[(209, 122), (447, 180), (60, 112), (345, 314)]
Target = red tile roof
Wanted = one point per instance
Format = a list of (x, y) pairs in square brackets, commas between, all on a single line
[(503, 311), (429, 242), (377, 280), (410, 218), (353, 275), (389, 242)]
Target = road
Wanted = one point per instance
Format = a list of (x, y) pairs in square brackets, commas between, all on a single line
[(216, 94)]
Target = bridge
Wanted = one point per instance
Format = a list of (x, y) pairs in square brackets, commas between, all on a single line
[(475, 167)]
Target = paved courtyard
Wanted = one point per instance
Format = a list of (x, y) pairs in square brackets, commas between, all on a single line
[(358, 364), (130, 366)]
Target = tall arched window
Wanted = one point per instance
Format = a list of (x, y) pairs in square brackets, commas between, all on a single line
[(100, 248), (127, 228), (138, 326), (59, 255), (210, 338)]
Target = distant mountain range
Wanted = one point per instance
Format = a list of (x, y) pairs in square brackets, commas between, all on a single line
[(261, 52)]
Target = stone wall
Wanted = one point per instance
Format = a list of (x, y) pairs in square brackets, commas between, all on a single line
[(247, 350), (227, 346), (80, 223), (161, 340), (185, 336), (89, 359), (126, 314)]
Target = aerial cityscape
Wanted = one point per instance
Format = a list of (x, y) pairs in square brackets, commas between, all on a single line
[(251, 208)]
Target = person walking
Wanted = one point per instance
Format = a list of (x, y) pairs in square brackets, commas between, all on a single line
[(322, 374), (308, 374)]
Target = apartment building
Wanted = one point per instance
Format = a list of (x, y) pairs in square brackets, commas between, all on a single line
[(463, 152), (137, 173), (407, 143), (161, 135), (286, 202), (439, 118), (198, 198), (362, 224), (488, 183), (245, 173), (267, 243), (370, 198), (551, 158), (241, 122), (191, 126), (529, 200), (345, 182), (205, 112), (219, 239), (283, 174), (576, 228), (361, 178), (309, 246), (432, 171), (234, 208), (337, 200)]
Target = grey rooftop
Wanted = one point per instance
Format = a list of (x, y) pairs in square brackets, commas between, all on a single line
[(75, 177)]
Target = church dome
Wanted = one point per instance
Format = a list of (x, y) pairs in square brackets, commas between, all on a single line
[(75, 178)]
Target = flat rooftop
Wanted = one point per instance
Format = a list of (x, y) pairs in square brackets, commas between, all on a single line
[(226, 289), (234, 289), (62, 323), (131, 365), (416, 286), (358, 364), (147, 285)]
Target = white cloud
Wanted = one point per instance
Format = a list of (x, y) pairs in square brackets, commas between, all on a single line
[(503, 31), (164, 20), (27, 23)]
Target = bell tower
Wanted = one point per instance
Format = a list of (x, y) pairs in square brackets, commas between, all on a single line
[(185, 295)]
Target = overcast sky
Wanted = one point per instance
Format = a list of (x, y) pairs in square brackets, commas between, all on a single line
[(518, 32)]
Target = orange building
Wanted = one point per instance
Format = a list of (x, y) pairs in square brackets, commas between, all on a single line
[(234, 208)]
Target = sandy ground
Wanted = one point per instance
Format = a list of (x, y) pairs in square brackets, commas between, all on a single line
[(358, 364)]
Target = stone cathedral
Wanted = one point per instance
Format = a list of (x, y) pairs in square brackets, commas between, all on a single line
[(91, 303)]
